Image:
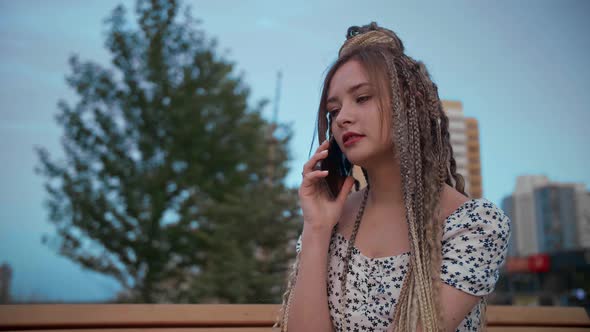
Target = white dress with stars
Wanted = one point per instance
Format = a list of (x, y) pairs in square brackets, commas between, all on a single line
[(474, 246)]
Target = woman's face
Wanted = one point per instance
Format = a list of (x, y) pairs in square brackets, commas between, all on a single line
[(360, 129)]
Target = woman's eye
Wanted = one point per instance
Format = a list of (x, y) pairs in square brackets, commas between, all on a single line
[(333, 113), (363, 99)]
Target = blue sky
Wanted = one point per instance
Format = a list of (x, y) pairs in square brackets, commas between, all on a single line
[(519, 67)]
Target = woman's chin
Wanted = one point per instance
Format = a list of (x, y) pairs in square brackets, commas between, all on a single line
[(364, 159), (357, 159)]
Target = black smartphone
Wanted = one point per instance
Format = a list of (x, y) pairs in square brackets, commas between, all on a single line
[(338, 166)]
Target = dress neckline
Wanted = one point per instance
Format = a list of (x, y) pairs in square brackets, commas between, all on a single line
[(356, 251)]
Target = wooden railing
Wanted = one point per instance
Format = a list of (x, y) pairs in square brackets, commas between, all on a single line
[(237, 318)]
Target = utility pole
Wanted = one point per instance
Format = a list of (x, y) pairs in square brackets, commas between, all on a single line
[(273, 126)]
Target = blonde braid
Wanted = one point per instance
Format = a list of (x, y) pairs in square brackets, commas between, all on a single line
[(283, 317), (425, 255), (434, 105), (434, 230), (410, 199), (344, 276), (483, 315), (406, 314), (409, 309), (427, 195), (348, 255), (402, 306)]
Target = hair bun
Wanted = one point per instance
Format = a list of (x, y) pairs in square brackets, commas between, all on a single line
[(352, 31), (393, 40)]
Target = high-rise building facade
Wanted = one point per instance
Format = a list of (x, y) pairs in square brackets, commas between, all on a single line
[(507, 206), (583, 216), (458, 136), (475, 189), (524, 214), (5, 281), (464, 135), (547, 217), (555, 213)]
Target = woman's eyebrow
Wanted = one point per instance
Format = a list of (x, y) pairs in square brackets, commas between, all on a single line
[(350, 91)]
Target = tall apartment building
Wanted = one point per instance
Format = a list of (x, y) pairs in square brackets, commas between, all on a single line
[(555, 213), (464, 134), (547, 217), (5, 280), (507, 206), (475, 189), (583, 216), (458, 136), (523, 218)]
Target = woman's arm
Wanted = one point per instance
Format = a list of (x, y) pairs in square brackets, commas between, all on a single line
[(309, 307), (456, 304), (465, 281)]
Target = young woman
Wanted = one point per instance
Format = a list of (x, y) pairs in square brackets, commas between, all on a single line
[(410, 251)]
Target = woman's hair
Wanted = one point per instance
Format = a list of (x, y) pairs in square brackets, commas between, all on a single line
[(422, 146)]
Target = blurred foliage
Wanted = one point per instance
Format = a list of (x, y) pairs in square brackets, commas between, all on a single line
[(171, 183)]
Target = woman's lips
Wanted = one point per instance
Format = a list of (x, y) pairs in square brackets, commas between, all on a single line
[(352, 140)]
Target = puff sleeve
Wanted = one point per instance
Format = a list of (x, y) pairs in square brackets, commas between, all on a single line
[(474, 246)]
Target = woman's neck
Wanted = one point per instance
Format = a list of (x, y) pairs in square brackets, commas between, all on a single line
[(386, 185)]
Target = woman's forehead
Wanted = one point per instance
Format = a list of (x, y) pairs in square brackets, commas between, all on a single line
[(350, 76)]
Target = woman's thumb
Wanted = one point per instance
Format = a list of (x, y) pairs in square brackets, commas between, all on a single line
[(348, 183)]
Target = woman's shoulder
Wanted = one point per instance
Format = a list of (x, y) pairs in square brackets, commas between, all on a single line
[(461, 211), (476, 213), (474, 246)]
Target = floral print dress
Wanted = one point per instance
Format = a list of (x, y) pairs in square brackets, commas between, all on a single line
[(474, 247)]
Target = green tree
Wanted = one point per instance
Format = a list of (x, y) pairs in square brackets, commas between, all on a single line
[(168, 184)]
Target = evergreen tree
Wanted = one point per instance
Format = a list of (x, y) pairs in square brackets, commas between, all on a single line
[(168, 184)]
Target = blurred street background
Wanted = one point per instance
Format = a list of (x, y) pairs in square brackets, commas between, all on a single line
[(151, 150)]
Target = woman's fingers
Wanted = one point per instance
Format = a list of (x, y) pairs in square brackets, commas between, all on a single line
[(323, 146), (320, 153), (310, 178), (310, 164), (346, 187)]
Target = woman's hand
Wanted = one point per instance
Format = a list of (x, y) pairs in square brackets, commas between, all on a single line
[(320, 211)]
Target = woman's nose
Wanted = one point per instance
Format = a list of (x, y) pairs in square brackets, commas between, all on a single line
[(345, 116)]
